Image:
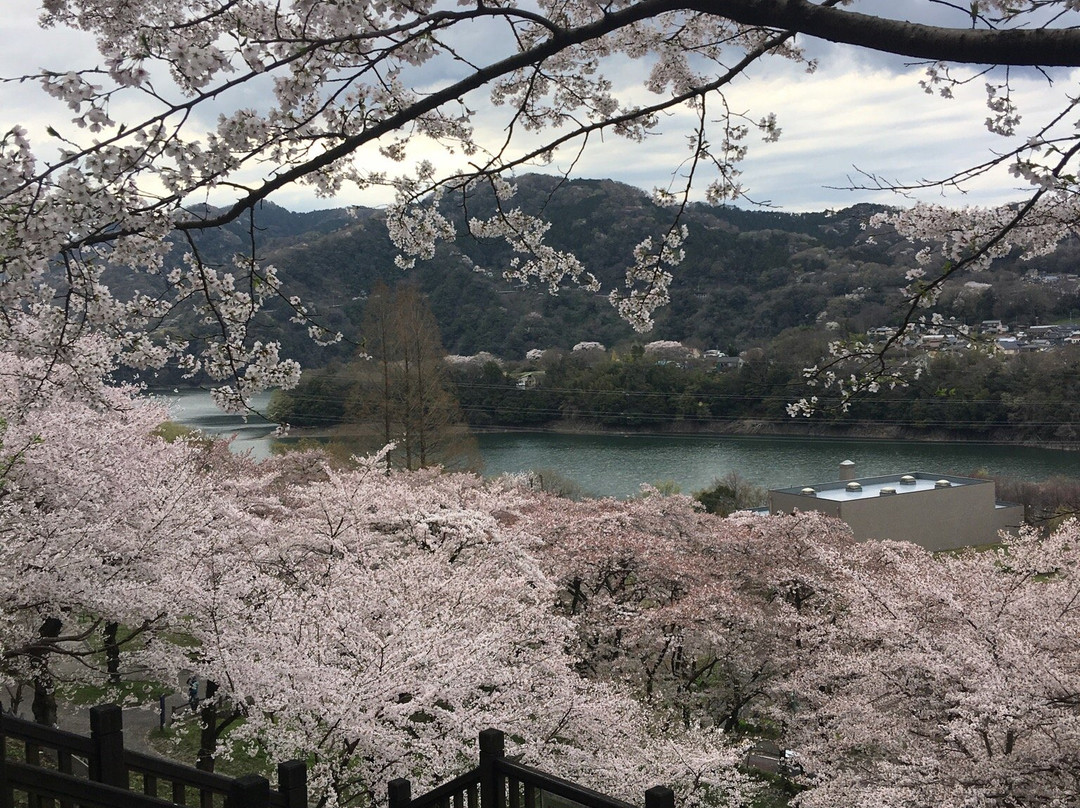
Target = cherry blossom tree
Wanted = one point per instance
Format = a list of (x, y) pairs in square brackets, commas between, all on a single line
[(689, 608), (92, 507), (899, 677), (232, 100), (374, 623), (943, 679), (371, 623)]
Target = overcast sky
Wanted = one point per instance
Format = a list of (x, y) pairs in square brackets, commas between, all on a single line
[(859, 111)]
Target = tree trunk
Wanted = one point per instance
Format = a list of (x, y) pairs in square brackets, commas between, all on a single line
[(44, 703), (112, 652), (208, 734)]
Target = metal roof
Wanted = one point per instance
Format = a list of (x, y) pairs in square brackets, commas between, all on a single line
[(870, 487)]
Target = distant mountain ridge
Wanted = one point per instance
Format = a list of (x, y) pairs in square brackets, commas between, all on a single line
[(748, 275)]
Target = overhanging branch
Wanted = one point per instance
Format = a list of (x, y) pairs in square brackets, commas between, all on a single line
[(1041, 47), (1044, 47)]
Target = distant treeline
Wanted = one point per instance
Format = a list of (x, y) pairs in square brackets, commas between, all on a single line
[(972, 395)]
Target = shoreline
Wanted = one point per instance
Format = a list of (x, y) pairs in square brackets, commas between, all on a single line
[(751, 428), (794, 428), (748, 428)]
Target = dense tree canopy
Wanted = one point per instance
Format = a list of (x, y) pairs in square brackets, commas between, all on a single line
[(944, 679), (372, 622), (301, 92), (368, 622)]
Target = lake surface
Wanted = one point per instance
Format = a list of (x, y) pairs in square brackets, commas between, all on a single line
[(617, 465), (611, 465), (196, 409)]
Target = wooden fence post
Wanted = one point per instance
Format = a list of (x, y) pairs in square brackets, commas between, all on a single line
[(107, 746), (492, 748), (6, 796), (292, 783), (399, 793), (249, 791), (659, 797)]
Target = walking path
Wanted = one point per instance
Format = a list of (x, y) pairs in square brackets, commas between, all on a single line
[(138, 723)]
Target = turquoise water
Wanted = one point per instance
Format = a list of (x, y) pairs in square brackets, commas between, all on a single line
[(196, 409), (617, 465)]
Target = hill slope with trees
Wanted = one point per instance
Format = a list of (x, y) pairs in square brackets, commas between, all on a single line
[(748, 275)]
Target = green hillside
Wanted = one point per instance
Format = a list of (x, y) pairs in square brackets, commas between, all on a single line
[(748, 275)]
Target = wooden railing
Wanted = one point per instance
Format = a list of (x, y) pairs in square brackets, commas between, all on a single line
[(63, 769), (498, 782)]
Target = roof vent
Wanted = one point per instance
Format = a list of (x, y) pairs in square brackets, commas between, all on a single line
[(887, 492), (854, 487), (942, 484), (907, 479), (810, 492)]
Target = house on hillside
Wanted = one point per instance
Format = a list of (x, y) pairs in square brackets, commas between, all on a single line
[(726, 363), (938, 512), (1010, 346), (530, 379)]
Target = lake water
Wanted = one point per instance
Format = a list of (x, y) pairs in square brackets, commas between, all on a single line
[(196, 409), (611, 465), (617, 465)]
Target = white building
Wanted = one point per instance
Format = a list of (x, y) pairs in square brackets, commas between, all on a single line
[(938, 512)]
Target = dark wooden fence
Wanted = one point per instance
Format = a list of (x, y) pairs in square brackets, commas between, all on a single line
[(61, 769), (42, 767), (498, 782)]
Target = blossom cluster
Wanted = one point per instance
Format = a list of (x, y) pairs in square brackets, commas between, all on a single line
[(197, 103)]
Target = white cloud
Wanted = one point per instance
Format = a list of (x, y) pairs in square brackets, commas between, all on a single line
[(841, 120), (859, 110)]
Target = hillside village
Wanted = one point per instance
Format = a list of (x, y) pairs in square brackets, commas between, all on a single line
[(1006, 338), (946, 334)]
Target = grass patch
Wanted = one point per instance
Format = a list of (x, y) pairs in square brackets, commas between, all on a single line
[(126, 693), (180, 742)]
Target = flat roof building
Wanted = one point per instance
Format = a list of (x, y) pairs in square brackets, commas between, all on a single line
[(938, 512)]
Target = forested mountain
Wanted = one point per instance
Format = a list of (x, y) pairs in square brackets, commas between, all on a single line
[(747, 276)]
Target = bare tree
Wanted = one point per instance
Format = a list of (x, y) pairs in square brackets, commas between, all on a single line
[(404, 395)]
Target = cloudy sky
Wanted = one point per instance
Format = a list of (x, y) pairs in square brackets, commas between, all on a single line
[(858, 112)]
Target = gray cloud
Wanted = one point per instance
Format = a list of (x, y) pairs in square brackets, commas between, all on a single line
[(860, 109)]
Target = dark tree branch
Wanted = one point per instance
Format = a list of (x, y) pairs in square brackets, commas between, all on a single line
[(1033, 47), (1043, 47)]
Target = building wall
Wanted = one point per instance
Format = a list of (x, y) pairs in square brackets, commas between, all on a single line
[(940, 519), (784, 502), (937, 519), (1010, 516)]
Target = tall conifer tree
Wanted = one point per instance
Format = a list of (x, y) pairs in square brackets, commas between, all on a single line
[(404, 394)]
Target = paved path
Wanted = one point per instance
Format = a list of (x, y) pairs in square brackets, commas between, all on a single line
[(138, 723)]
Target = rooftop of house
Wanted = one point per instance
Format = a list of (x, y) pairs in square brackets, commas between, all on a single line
[(888, 485)]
